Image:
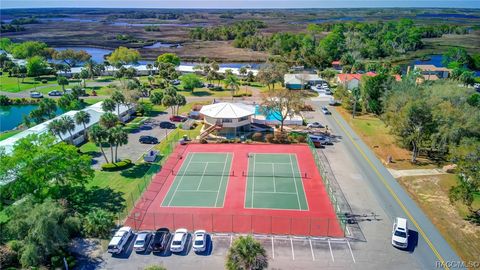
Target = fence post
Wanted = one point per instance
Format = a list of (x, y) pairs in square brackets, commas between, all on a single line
[(211, 215), (193, 223), (290, 226), (173, 220), (271, 225), (328, 227), (310, 227), (251, 223)]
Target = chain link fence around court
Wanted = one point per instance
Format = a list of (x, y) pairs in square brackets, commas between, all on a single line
[(238, 223), (341, 206), (165, 148)]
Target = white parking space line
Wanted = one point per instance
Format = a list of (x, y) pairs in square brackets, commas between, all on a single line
[(293, 252), (349, 247), (311, 249), (331, 253), (273, 249)]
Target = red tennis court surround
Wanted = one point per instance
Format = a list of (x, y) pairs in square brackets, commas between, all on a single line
[(318, 220)]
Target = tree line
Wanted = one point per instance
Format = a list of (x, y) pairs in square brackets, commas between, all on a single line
[(228, 32), (354, 40)]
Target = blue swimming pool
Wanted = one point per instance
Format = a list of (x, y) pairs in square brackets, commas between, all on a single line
[(271, 115)]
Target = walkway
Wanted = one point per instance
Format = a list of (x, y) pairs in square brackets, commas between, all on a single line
[(416, 172)]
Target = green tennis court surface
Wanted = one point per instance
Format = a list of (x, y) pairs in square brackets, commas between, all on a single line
[(274, 181), (201, 181)]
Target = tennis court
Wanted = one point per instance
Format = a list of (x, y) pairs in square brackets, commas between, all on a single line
[(241, 188), (201, 181), (274, 181)]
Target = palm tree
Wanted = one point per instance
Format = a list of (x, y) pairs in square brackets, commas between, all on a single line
[(232, 82), (98, 135), (119, 99), (149, 68), (90, 67), (108, 105), (151, 79), (69, 125), (56, 128), (246, 253), (119, 138), (180, 100), (83, 118), (108, 120), (243, 72)]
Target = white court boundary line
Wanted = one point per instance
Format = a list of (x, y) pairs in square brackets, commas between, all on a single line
[(221, 180), (191, 155), (294, 177), (176, 188), (203, 174)]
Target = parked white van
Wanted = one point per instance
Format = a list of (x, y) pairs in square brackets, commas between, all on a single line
[(119, 240)]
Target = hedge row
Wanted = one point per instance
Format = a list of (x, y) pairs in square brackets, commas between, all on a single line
[(123, 164)]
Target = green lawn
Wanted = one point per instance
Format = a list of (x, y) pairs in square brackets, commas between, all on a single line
[(8, 134), (12, 85), (130, 182)]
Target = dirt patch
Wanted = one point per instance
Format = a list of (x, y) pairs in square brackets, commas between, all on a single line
[(431, 194)]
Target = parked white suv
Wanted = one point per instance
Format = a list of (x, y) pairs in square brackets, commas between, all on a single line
[(400, 233), (119, 240)]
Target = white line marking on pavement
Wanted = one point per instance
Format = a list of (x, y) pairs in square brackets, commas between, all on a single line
[(348, 243), (311, 248), (331, 253), (201, 178), (273, 250), (293, 252)]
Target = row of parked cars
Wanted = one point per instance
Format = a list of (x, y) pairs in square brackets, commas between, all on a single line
[(159, 241), (55, 93)]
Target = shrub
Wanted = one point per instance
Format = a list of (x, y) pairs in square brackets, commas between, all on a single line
[(203, 141), (155, 267), (44, 81), (243, 94), (98, 223), (301, 139), (269, 138), (281, 137), (8, 256), (4, 101), (307, 107), (116, 166), (257, 136)]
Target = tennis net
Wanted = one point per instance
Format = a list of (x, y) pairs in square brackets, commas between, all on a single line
[(203, 173), (275, 174)]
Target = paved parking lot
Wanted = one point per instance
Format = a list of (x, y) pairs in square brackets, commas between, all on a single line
[(134, 150), (283, 253)]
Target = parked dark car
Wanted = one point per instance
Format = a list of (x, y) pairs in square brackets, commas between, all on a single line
[(168, 125), (55, 93), (320, 140), (178, 118), (148, 140), (161, 239)]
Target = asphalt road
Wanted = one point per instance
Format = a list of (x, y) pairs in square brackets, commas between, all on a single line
[(432, 250)]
